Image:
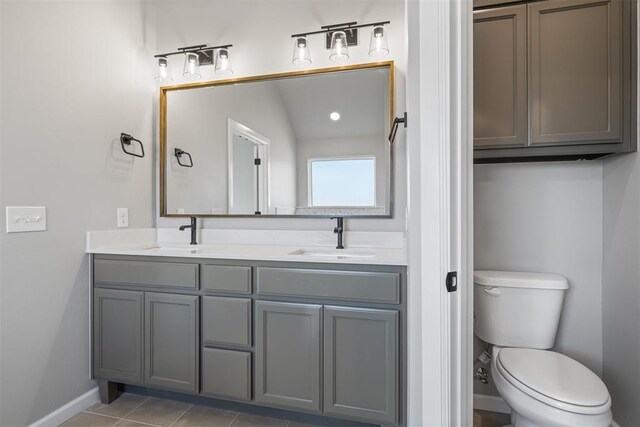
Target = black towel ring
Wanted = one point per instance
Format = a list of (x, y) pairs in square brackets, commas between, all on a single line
[(125, 140)]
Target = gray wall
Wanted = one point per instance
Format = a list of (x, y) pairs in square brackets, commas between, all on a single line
[(263, 45), (74, 75), (621, 279), (547, 217)]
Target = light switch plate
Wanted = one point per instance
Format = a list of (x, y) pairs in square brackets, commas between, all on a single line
[(26, 218), (123, 217)]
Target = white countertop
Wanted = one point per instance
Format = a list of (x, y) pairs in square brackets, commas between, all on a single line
[(371, 248)]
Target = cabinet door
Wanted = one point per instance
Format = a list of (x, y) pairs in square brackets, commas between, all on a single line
[(500, 77), (575, 70), (361, 363), (171, 341), (117, 335), (288, 355)]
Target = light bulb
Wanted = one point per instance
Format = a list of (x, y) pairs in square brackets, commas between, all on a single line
[(335, 116), (191, 66), (301, 54), (379, 45), (164, 74), (339, 48), (223, 63)]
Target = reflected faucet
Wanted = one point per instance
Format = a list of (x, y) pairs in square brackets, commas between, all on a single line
[(339, 230), (193, 228)]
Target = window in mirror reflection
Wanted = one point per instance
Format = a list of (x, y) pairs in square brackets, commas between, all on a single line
[(342, 182)]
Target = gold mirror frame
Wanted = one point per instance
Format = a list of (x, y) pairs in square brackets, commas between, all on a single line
[(186, 86)]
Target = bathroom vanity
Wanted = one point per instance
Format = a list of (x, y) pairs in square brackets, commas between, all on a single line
[(317, 333)]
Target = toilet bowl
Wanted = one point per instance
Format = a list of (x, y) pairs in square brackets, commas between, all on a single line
[(545, 388), (519, 314)]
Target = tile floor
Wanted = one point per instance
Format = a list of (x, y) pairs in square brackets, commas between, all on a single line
[(490, 419), (132, 410)]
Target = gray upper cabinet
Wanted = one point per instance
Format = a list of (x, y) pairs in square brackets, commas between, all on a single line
[(288, 343), (171, 341), (117, 335), (361, 363), (575, 68), (554, 79), (500, 77)]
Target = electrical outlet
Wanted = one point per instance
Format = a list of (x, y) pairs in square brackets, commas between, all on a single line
[(123, 217)]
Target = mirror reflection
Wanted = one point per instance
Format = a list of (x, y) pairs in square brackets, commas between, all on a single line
[(300, 144)]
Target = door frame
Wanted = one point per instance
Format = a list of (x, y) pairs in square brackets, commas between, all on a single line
[(440, 222), (262, 143)]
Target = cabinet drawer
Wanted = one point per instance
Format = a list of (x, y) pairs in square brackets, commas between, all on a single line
[(226, 321), (337, 284), (225, 278), (147, 273), (226, 373)]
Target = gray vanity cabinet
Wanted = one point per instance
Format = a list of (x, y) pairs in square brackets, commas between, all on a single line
[(500, 77), (288, 343), (361, 363), (171, 341), (117, 335)]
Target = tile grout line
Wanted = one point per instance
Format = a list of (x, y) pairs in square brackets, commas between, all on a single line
[(94, 413), (181, 415), (139, 422), (146, 399), (234, 419)]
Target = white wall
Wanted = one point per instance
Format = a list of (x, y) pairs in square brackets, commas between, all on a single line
[(74, 75), (261, 34), (547, 217)]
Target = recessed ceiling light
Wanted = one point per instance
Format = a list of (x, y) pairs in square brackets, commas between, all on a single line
[(335, 116)]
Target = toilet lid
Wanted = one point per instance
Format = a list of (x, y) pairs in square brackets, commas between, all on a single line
[(554, 375)]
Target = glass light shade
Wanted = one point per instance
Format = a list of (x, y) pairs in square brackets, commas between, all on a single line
[(164, 74), (223, 63), (191, 66), (301, 55), (339, 50), (379, 45)]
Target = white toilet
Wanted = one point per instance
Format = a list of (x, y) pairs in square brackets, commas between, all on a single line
[(518, 313)]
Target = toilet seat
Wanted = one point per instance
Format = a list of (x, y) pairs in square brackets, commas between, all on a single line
[(554, 379)]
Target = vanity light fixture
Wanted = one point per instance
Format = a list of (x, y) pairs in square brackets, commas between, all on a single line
[(194, 57), (338, 39)]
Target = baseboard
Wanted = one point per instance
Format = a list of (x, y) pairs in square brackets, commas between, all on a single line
[(490, 403), (67, 411)]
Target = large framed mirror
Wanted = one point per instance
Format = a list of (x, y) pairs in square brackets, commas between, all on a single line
[(302, 144)]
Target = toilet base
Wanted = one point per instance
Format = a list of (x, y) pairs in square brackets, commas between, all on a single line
[(518, 420)]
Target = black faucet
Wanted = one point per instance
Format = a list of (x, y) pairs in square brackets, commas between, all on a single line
[(193, 228), (339, 230)]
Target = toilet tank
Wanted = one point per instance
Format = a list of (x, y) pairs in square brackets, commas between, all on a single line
[(516, 309)]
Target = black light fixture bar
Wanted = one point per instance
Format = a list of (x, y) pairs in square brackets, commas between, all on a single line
[(339, 27), (195, 49)]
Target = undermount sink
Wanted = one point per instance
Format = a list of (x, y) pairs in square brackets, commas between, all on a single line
[(335, 253)]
